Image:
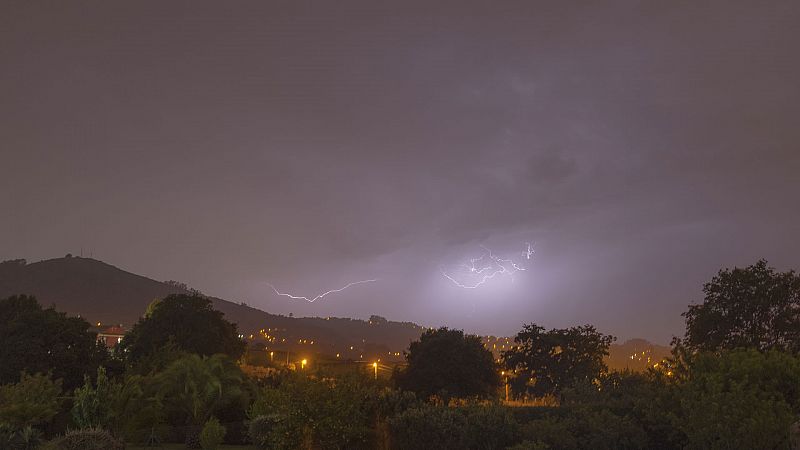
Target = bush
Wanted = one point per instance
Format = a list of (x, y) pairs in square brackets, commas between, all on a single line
[(28, 438), (5, 435), (740, 398), (428, 427), (212, 435), (328, 414), (262, 430), (490, 426), (31, 401), (441, 427), (390, 402), (87, 439), (92, 405), (738, 418), (194, 388), (587, 428)]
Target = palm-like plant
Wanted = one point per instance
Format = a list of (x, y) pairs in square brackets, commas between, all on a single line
[(198, 386)]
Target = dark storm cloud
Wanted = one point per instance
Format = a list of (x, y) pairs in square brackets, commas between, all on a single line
[(642, 146)]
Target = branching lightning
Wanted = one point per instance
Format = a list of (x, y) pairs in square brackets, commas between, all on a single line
[(320, 296), (484, 268), (529, 252)]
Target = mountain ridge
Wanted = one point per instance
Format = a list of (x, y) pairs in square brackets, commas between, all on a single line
[(101, 292)]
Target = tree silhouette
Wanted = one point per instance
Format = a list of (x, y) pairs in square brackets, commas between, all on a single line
[(448, 362), (34, 339), (185, 322), (547, 362), (755, 307)]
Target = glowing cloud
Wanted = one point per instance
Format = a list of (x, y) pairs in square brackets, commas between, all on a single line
[(480, 270)]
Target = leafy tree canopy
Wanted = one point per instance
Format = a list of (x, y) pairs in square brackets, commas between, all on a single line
[(754, 307), (449, 362), (186, 322), (740, 399), (32, 401), (38, 340), (547, 362)]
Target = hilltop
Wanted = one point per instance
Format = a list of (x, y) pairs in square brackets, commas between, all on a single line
[(104, 293)]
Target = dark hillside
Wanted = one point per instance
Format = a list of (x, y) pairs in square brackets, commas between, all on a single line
[(103, 293)]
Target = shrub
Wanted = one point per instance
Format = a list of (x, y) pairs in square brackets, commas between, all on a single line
[(390, 402), (490, 426), (92, 405), (194, 388), (6, 433), (28, 438), (442, 427), (428, 427), (588, 428), (329, 414), (262, 430), (87, 439), (31, 401), (212, 434), (740, 398)]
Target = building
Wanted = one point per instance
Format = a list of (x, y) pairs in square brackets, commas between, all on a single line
[(111, 336)]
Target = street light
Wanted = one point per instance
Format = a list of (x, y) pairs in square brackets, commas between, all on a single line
[(375, 366), (505, 381), (271, 354), (303, 364)]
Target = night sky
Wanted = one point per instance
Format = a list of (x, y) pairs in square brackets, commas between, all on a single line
[(639, 146)]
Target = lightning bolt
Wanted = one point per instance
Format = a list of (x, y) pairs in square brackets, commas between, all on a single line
[(320, 296), (529, 252), (498, 266)]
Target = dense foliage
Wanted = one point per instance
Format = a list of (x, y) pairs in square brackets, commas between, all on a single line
[(93, 402), (27, 438), (741, 398), (448, 363), (187, 322), (755, 307), (547, 362), (33, 401), (212, 434), (439, 427), (330, 413), (194, 388), (35, 339)]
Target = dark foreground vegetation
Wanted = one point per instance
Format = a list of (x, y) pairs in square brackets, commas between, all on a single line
[(733, 381)]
